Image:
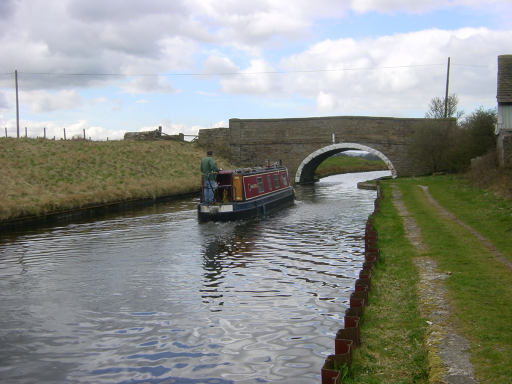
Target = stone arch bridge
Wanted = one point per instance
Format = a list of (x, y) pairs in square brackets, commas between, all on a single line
[(303, 143)]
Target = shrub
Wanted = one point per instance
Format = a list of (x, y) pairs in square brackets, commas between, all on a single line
[(440, 150)]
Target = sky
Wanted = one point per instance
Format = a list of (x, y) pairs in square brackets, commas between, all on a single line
[(108, 67)]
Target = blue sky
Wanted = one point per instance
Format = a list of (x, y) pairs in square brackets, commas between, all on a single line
[(117, 66)]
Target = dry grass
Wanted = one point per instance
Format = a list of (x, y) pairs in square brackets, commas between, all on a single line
[(42, 176), (485, 174)]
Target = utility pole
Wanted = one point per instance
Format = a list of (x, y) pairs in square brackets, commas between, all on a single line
[(17, 104), (447, 86)]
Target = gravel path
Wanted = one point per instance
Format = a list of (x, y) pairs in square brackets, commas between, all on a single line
[(448, 357)]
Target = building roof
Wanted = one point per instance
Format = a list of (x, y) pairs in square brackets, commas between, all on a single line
[(504, 94)]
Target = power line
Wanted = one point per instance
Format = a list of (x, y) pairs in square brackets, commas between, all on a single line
[(227, 73)]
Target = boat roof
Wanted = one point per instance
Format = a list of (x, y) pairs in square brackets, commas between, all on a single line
[(253, 170)]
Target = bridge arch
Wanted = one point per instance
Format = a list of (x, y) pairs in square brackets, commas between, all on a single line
[(306, 170)]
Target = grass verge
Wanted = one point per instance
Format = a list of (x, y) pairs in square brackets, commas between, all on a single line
[(479, 286), (392, 331), (481, 209)]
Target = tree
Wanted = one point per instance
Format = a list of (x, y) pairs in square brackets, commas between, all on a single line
[(480, 126), (436, 108), (439, 150), (430, 148)]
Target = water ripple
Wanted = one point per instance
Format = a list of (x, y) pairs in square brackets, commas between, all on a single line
[(153, 296)]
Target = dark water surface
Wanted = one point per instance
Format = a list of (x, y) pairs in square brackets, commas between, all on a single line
[(153, 296)]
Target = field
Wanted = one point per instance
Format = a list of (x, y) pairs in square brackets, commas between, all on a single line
[(345, 164)]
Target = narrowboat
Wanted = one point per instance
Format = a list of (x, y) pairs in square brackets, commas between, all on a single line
[(247, 192)]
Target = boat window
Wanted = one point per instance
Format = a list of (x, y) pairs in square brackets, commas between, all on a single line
[(269, 182), (276, 180), (283, 178), (261, 188)]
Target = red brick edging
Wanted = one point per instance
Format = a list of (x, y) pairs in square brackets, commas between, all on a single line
[(349, 337)]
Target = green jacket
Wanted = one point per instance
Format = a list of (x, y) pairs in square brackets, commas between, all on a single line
[(209, 168)]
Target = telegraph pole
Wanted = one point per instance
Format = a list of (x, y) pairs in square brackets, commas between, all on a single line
[(447, 86), (17, 104)]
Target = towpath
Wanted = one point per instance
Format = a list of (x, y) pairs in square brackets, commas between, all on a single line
[(448, 356)]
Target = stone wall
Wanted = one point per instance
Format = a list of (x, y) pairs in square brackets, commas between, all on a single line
[(157, 134), (144, 135), (250, 142), (215, 139), (292, 140)]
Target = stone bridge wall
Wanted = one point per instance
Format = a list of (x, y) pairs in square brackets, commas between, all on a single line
[(216, 139), (256, 141)]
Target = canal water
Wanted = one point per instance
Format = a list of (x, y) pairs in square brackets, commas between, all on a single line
[(153, 296)]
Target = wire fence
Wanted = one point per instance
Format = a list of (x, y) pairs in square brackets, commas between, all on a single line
[(38, 134)]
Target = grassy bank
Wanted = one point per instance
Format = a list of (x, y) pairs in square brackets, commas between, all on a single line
[(479, 288), (346, 164), (42, 176), (392, 331)]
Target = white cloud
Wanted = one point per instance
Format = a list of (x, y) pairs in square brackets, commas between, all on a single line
[(148, 84), (326, 102), (393, 74), (99, 100), (219, 64), (255, 79), (171, 128), (55, 129), (418, 6), (220, 124), (4, 105), (158, 36), (60, 47), (42, 101)]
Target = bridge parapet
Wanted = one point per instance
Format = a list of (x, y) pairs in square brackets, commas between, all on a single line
[(293, 140)]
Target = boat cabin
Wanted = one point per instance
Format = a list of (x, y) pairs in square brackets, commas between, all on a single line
[(249, 183)]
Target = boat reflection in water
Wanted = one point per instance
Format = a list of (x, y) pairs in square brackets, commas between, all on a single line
[(154, 296), (247, 192)]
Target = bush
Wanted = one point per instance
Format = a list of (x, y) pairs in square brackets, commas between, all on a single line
[(480, 126), (440, 150), (431, 148)]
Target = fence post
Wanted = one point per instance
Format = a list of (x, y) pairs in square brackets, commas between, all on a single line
[(64, 133), (6, 132), (84, 135), (26, 132), (44, 132), (17, 104)]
